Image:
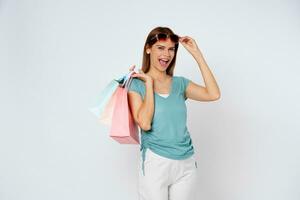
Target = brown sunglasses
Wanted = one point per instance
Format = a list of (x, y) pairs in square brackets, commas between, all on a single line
[(162, 36)]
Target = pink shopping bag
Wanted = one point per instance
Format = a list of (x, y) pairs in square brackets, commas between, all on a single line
[(123, 127)]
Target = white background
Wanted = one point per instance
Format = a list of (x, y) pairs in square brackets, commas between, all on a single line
[(56, 57)]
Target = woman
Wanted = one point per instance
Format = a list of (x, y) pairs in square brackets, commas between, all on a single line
[(157, 102)]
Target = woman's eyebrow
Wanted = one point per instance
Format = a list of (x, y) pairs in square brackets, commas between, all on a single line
[(163, 46)]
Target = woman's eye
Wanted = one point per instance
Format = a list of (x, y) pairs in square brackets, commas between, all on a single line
[(161, 48), (172, 49)]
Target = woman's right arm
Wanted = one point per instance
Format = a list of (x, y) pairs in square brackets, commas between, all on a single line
[(142, 110)]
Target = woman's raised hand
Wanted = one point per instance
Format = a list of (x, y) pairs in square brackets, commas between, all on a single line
[(189, 44), (141, 75)]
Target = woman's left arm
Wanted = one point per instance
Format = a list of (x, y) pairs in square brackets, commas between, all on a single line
[(211, 91)]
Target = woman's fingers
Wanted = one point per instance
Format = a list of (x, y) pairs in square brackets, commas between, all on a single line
[(138, 72), (137, 75), (185, 39), (132, 68), (142, 76)]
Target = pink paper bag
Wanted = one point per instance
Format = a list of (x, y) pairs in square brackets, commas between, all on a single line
[(123, 128)]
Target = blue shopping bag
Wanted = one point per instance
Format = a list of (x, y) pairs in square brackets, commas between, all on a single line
[(105, 96)]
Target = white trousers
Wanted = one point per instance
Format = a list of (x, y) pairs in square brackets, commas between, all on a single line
[(167, 179)]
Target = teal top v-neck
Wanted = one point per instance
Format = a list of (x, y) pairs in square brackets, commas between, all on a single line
[(169, 135)]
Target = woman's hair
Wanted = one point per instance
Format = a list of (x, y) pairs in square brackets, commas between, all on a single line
[(148, 44)]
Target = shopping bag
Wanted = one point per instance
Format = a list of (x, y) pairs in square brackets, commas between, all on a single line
[(123, 127), (103, 107), (107, 113), (103, 98)]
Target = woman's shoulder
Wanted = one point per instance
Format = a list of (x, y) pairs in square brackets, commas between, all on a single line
[(137, 81)]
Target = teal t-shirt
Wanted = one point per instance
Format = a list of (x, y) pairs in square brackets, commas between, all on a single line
[(169, 135)]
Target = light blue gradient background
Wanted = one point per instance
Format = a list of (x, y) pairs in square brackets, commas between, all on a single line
[(56, 56)]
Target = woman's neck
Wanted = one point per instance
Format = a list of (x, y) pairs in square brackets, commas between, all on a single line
[(157, 75)]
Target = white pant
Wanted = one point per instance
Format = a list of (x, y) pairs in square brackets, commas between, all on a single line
[(167, 179)]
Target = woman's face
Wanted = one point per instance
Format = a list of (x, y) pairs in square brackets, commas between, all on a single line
[(161, 54)]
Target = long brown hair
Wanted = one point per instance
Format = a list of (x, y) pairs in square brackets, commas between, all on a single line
[(146, 57)]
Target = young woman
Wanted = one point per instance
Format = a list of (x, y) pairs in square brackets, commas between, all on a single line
[(168, 167)]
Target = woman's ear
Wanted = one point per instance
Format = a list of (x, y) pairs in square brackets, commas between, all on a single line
[(148, 49)]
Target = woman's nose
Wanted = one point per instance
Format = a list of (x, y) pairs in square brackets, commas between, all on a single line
[(167, 53)]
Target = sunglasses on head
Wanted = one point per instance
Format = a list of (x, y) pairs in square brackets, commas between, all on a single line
[(162, 36)]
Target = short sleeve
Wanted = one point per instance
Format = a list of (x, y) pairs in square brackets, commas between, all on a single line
[(134, 86), (185, 82)]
